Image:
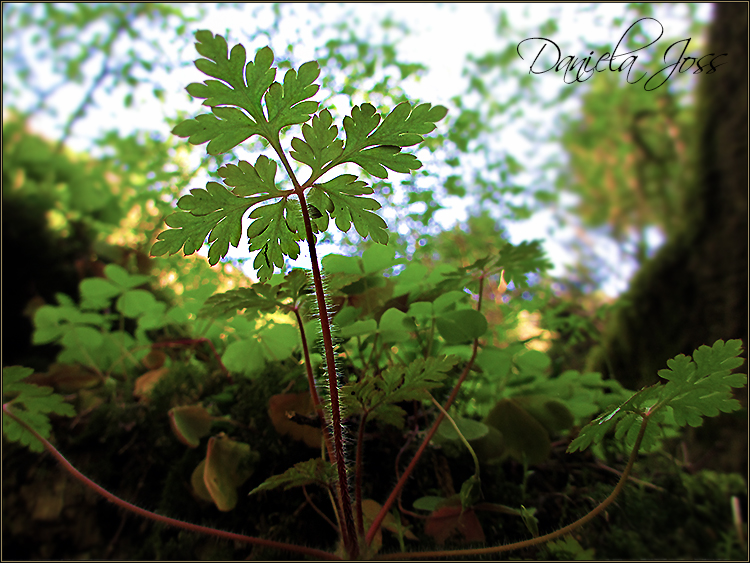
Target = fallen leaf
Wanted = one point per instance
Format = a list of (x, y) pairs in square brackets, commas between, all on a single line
[(144, 385), (190, 424), (228, 465), (297, 403), (450, 520)]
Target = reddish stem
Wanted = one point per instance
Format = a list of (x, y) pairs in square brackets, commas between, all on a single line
[(347, 524), (407, 472), (338, 439), (547, 537), (311, 383), (165, 519)]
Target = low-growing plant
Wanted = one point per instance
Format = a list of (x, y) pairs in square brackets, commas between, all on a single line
[(389, 336)]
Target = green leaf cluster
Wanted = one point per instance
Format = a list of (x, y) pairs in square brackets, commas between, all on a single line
[(514, 260), (260, 297), (695, 388), (377, 394), (245, 100), (84, 330), (32, 404)]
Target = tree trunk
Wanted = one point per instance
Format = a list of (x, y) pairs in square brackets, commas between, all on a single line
[(694, 291)]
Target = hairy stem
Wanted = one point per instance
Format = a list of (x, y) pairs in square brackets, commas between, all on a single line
[(338, 439), (313, 389), (347, 528), (548, 537), (158, 517)]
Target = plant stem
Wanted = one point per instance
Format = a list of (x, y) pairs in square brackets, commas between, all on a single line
[(318, 510), (338, 440), (158, 517), (460, 436), (347, 524), (402, 481), (548, 537), (407, 472), (311, 384)]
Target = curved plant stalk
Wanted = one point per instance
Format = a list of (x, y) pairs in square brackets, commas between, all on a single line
[(460, 436), (165, 519), (407, 472), (547, 537)]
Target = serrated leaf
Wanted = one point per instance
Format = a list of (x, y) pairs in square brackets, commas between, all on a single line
[(246, 84), (213, 213), (31, 404), (320, 146), (236, 299), (377, 394), (375, 161), (275, 232), (285, 104), (401, 128), (226, 129), (307, 472), (341, 199), (693, 391), (248, 180), (247, 87)]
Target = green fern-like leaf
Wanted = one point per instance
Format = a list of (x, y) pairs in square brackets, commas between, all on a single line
[(275, 232), (341, 199), (260, 297), (402, 127), (320, 147), (378, 394), (32, 404), (213, 213), (307, 472), (245, 87), (696, 388), (246, 101)]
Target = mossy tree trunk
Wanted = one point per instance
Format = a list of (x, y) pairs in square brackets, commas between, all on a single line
[(695, 289)]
